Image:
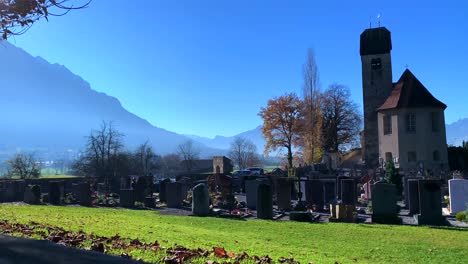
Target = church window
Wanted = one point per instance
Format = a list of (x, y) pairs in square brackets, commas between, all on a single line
[(435, 121), (410, 122), (436, 155), (376, 64), (412, 156), (387, 124)]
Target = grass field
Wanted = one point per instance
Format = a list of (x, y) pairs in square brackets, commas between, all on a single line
[(317, 243), (57, 176)]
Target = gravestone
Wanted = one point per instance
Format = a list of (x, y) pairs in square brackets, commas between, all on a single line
[(458, 193), (430, 203), (162, 190), (55, 192), (200, 200), (84, 194), (315, 194), (413, 196), (251, 187), (348, 191), (127, 198), (174, 194), (384, 204), (140, 188), (338, 186), (32, 194), (251, 193), (283, 195), (264, 201), (329, 188), (406, 192)]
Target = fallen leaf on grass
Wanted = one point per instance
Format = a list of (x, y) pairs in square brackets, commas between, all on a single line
[(220, 252)]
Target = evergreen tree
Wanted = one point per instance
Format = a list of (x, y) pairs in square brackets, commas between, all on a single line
[(392, 176)]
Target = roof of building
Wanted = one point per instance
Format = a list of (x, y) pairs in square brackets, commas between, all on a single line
[(375, 41), (409, 92)]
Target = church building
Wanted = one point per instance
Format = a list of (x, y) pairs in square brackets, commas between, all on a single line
[(403, 121)]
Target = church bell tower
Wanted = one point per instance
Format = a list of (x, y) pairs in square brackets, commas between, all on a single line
[(377, 85)]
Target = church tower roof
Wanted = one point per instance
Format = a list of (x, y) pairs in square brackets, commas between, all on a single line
[(375, 41), (409, 92)]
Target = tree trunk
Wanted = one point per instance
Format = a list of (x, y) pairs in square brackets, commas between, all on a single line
[(290, 158)]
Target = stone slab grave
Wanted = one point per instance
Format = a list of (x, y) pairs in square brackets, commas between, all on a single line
[(430, 203), (251, 187), (348, 192), (384, 204), (283, 193), (13, 191), (329, 188), (84, 194), (127, 198), (174, 194), (338, 185), (75, 190), (342, 213), (30, 197), (412, 191), (315, 194), (200, 200), (56, 192), (264, 201), (162, 190), (406, 190), (458, 193)]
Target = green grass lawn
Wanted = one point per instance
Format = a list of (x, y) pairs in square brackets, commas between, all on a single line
[(57, 176), (317, 243)]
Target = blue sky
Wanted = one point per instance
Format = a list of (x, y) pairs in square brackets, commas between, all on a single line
[(206, 67)]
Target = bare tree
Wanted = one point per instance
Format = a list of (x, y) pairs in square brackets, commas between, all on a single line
[(170, 164), (243, 152), (189, 153), (282, 121), (311, 135), (17, 16), (341, 118), (146, 162), (102, 154), (24, 166)]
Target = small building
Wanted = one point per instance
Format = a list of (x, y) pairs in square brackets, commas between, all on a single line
[(412, 127), (196, 166), (222, 165)]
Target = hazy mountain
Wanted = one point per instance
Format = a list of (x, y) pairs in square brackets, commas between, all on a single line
[(457, 132), (45, 107), (222, 142)]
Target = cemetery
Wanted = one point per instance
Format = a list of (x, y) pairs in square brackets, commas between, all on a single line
[(207, 211), (374, 188)]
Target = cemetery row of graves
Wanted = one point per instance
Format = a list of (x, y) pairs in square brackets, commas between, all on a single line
[(309, 197), (270, 196)]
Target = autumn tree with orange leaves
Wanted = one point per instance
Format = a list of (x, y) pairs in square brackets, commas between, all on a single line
[(282, 123)]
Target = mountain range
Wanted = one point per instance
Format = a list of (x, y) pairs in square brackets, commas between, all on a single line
[(45, 107)]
